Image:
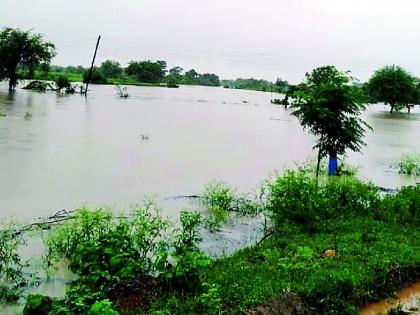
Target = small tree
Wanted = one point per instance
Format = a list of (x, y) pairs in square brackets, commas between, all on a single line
[(22, 48), (111, 69), (328, 105), (395, 86)]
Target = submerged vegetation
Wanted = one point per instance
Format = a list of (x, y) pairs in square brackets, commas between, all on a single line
[(410, 165), (337, 244)]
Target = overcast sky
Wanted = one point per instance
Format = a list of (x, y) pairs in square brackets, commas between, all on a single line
[(232, 38)]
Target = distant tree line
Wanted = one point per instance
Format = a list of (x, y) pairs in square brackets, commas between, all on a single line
[(146, 71), (24, 53), (279, 86)]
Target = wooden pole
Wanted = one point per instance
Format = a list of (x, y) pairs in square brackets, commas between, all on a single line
[(91, 67)]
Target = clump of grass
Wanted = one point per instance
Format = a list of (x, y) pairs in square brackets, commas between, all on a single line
[(217, 198), (410, 165)]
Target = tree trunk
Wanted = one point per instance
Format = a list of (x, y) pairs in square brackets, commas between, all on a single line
[(332, 163), (12, 76), (12, 81), (409, 109), (318, 162), (392, 107)]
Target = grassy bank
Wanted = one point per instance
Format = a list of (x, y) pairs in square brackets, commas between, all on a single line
[(331, 247)]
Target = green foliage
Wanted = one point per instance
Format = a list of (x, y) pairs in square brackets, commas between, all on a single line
[(111, 69), (328, 105), (184, 262), (37, 304), (252, 84), (12, 278), (410, 165), (395, 86), (217, 199), (174, 77), (97, 76), (147, 71), (404, 207), (103, 249), (22, 48), (102, 307), (297, 198), (63, 83)]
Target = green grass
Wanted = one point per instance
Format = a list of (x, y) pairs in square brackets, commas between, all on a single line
[(370, 257)]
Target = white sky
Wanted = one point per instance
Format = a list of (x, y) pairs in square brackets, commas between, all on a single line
[(232, 38)]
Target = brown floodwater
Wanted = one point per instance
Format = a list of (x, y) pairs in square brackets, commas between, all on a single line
[(160, 143), (408, 298), (163, 142)]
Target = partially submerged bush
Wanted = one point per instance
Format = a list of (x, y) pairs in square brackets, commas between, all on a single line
[(219, 199), (63, 83), (104, 250), (410, 165), (40, 86), (12, 278), (122, 91)]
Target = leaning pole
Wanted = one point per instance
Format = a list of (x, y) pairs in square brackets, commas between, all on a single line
[(91, 67)]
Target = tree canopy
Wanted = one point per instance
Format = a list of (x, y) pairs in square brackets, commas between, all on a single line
[(111, 69), (328, 105), (395, 86), (147, 71), (22, 48)]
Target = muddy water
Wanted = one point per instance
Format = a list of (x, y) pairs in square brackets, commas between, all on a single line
[(408, 298), (76, 151), (161, 143)]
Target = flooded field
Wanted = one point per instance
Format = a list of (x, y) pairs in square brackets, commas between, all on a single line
[(62, 152), (160, 143)]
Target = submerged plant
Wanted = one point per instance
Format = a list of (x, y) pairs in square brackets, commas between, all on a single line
[(28, 116), (12, 278), (410, 165), (122, 91)]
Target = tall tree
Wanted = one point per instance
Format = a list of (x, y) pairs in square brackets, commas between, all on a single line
[(394, 86), (329, 106), (22, 48)]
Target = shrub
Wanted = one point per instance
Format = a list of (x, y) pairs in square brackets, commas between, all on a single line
[(410, 165), (102, 307), (297, 198), (12, 278), (37, 304), (404, 207)]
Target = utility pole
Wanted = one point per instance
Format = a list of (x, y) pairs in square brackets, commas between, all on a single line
[(91, 67)]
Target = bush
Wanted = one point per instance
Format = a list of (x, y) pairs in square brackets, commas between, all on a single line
[(12, 278), (104, 250), (37, 304), (297, 198), (63, 83), (96, 78), (103, 307), (404, 207), (410, 165)]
